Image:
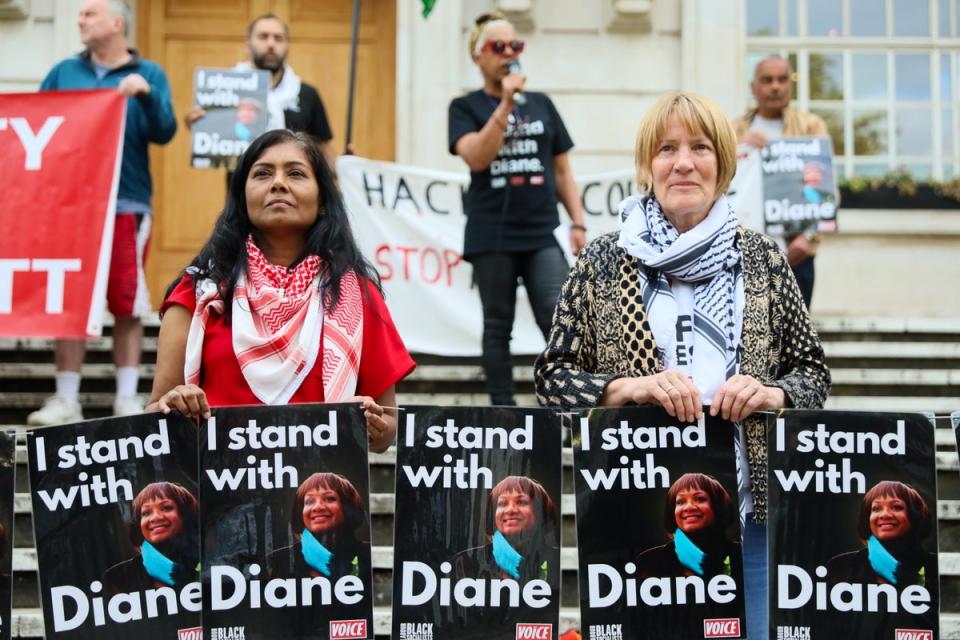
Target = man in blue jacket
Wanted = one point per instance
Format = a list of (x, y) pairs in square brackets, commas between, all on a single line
[(108, 62)]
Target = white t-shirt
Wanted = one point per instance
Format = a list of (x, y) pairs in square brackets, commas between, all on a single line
[(683, 352), (772, 127), (682, 358)]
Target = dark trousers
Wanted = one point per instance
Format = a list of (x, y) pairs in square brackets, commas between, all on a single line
[(804, 275), (495, 274)]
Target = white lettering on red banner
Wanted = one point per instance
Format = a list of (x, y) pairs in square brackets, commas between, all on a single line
[(913, 634), (33, 143), (60, 156), (55, 270)]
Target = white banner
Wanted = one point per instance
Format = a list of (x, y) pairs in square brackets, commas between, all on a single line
[(409, 223), (746, 190)]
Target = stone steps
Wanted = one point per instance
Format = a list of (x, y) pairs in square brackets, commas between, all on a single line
[(43, 372), (16, 404), (841, 376), (941, 405), (941, 350), (831, 324)]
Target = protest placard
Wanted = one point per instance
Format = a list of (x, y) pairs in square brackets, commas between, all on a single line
[(799, 190), (236, 106), (852, 526), (285, 525), (115, 522), (657, 526), (477, 552)]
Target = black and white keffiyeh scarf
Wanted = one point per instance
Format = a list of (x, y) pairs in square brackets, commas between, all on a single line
[(707, 257)]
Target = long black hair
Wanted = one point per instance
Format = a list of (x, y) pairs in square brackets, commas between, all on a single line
[(224, 257)]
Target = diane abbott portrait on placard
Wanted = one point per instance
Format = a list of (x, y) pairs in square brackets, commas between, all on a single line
[(164, 532), (894, 520), (521, 532), (325, 519), (696, 515)]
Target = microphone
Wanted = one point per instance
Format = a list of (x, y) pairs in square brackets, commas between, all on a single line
[(518, 97)]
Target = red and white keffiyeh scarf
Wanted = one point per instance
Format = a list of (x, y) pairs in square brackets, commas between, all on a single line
[(278, 320)]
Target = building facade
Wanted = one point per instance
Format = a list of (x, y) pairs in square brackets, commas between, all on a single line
[(884, 74)]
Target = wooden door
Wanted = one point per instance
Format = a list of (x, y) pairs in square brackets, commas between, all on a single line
[(184, 34)]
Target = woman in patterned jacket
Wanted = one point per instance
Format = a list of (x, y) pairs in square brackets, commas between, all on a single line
[(683, 308)]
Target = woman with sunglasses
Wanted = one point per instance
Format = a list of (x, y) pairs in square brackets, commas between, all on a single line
[(516, 149)]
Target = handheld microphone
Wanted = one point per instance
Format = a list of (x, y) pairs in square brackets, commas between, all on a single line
[(518, 97)]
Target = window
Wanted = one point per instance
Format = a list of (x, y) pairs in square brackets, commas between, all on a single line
[(883, 74)]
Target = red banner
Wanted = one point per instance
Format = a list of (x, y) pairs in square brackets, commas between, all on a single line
[(59, 169)]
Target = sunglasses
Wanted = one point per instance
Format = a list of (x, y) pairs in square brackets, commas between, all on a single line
[(500, 46)]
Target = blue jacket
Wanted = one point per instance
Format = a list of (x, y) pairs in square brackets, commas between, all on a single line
[(149, 118)]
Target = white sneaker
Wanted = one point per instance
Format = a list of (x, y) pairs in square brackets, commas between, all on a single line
[(56, 410), (127, 406)]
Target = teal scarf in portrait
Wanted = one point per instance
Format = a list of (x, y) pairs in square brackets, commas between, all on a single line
[(882, 561), (688, 553), (506, 556), (316, 555), (158, 566)]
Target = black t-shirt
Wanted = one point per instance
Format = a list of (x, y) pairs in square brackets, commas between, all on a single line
[(521, 175), (311, 117)]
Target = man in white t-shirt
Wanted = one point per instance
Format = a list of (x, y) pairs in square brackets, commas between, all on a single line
[(772, 118)]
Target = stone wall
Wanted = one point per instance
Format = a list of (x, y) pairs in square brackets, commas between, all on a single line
[(602, 62), (894, 264), (35, 35)]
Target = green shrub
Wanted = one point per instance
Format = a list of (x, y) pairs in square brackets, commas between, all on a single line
[(905, 184)]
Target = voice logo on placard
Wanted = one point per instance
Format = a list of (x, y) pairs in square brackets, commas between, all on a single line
[(721, 628), (193, 633), (531, 631), (913, 634), (348, 630)]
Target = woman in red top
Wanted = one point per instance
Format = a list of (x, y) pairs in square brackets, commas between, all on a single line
[(280, 306)]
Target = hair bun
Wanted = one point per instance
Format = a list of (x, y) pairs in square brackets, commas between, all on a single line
[(484, 18)]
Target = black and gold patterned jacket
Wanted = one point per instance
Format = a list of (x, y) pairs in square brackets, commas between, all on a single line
[(600, 332)]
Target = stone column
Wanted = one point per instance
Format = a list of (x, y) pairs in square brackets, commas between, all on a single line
[(430, 54), (713, 49)]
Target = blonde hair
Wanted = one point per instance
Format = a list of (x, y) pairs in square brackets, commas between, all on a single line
[(696, 114), (483, 23)]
